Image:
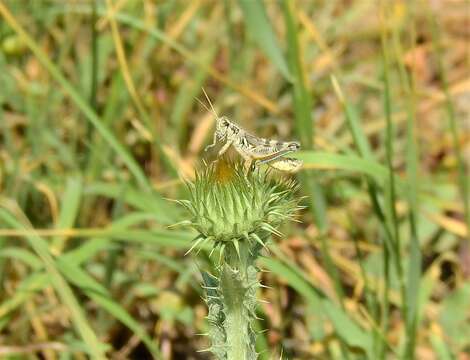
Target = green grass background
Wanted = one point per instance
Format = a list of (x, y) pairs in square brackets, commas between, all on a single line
[(100, 126)]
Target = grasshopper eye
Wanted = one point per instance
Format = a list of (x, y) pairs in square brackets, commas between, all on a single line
[(294, 146)]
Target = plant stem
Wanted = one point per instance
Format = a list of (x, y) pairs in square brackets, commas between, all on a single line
[(238, 292), (235, 322)]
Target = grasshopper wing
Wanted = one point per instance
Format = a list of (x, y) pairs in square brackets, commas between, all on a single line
[(266, 150)]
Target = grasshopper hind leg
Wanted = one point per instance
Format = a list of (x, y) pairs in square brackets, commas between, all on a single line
[(251, 164)]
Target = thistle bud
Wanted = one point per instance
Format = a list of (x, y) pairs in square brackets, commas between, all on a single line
[(230, 205)]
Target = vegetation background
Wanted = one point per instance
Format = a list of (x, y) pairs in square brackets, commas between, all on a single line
[(99, 124)]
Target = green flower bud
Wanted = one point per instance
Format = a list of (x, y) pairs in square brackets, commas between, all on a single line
[(229, 204)]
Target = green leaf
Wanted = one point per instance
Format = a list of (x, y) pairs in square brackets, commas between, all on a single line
[(23, 255), (331, 161), (347, 329), (164, 211), (87, 250)]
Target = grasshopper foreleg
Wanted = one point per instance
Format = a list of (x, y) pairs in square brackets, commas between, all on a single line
[(214, 142)]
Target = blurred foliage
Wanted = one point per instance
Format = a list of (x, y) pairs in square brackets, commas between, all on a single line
[(100, 125)]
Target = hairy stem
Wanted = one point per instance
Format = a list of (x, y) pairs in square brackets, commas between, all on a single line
[(237, 289), (237, 321)]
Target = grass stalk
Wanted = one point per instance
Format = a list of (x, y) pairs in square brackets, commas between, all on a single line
[(94, 57), (391, 191), (463, 178), (412, 160), (363, 147), (385, 304), (147, 131), (302, 102)]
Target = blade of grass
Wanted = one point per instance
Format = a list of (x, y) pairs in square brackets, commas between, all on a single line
[(188, 92), (352, 118), (325, 161), (300, 95), (99, 294), (440, 347), (114, 253), (39, 280), (95, 348), (392, 198), (25, 290), (87, 251), (303, 108), (412, 160), (164, 211), (262, 346), (363, 147), (371, 299), (185, 272), (82, 104), (385, 303), (89, 286), (347, 329), (22, 255), (171, 239), (464, 186), (3, 244), (260, 28), (132, 219), (94, 57), (68, 266), (165, 238), (148, 132), (305, 130), (115, 104), (68, 211)]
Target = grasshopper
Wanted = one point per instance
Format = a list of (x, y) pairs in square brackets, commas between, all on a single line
[(253, 149)]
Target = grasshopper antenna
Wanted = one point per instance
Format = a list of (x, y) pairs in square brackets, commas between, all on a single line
[(210, 103), (215, 114), (203, 105)]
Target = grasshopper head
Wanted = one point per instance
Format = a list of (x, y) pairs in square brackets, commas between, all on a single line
[(293, 146), (223, 124)]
